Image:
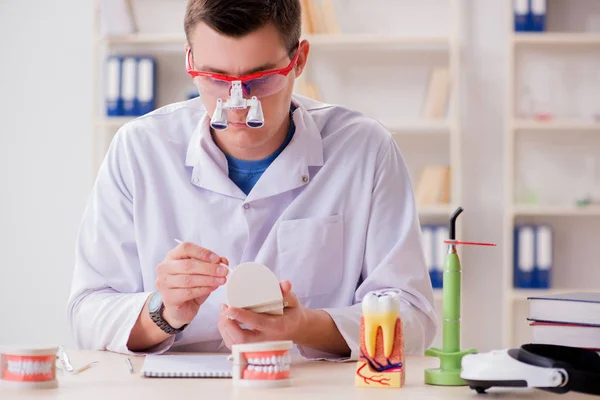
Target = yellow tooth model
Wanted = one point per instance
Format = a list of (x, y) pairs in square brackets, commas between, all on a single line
[(381, 359)]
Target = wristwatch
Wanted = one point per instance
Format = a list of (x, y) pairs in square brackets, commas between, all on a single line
[(156, 308)]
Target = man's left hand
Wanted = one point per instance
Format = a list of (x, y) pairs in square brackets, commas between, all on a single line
[(264, 327)]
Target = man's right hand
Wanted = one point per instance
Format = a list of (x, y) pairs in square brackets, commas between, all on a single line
[(185, 279)]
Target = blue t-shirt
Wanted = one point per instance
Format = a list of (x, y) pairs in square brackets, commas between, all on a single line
[(245, 174)]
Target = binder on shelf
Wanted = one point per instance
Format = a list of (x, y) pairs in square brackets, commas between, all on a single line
[(521, 15), (524, 256), (145, 93), (429, 250), (441, 233), (128, 82), (537, 16), (543, 256), (113, 97)]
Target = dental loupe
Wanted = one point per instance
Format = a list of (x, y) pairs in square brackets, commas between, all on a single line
[(236, 101)]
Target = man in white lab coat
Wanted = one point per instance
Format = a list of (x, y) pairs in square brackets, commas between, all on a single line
[(319, 194)]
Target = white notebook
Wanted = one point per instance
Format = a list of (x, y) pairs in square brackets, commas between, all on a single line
[(187, 366)]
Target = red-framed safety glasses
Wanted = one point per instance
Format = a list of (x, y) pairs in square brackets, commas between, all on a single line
[(260, 84)]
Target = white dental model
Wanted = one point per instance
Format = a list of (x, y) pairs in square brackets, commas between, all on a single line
[(381, 359), (261, 365), (254, 287), (255, 117)]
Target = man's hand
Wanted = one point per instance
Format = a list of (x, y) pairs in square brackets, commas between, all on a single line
[(186, 277), (303, 326), (263, 327)]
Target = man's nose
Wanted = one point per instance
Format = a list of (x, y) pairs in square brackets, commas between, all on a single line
[(238, 115)]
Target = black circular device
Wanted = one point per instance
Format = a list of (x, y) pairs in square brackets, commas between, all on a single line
[(582, 365), (569, 369)]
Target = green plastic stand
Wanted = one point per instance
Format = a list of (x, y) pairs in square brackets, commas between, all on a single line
[(450, 355)]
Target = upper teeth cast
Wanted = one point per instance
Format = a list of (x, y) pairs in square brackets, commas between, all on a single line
[(272, 360)]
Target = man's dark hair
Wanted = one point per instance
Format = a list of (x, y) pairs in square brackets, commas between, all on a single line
[(237, 18)]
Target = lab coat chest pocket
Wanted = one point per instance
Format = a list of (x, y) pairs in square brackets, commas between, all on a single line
[(310, 254)]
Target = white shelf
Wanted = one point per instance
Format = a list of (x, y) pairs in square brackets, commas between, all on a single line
[(435, 211), (551, 38), (557, 125), (520, 295), (340, 40), (145, 38), (113, 122), (558, 211), (355, 40), (419, 128)]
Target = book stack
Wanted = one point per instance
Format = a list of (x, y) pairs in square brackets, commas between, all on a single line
[(567, 319), (318, 17), (433, 187)]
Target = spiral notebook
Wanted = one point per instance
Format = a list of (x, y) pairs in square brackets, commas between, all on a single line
[(187, 366)]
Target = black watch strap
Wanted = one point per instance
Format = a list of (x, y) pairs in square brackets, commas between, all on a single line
[(163, 324)]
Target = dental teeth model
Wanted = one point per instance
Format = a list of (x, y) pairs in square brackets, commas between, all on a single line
[(253, 286), (265, 364), (381, 359)]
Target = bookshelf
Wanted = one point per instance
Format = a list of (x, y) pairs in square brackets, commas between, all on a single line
[(552, 151), (378, 57)]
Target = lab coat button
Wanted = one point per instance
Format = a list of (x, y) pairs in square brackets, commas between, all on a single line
[(195, 180), (304, 178), (246, 206)]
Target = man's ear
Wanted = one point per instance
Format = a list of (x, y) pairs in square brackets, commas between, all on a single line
[(303, 50)]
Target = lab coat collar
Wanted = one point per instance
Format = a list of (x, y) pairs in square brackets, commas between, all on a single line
[(287, 172)]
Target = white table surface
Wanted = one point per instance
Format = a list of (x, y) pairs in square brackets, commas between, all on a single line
[(111, 380)]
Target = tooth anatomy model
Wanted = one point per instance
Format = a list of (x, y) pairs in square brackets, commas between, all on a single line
[(381, 359), (264, 364), (253, 286)]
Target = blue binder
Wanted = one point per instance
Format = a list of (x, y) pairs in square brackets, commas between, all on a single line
[(428, 248), (537, 15), (524, 256), (543, 256), (441, 233), (521, 15), (129, 85), (146, 85), (113, 96)]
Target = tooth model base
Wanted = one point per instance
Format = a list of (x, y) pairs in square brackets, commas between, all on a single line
[(380, 368)]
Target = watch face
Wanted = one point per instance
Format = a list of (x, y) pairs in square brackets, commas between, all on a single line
[(155, 302)]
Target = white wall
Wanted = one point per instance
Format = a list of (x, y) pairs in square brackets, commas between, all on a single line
[(45, 116), (44, 170), (484, 79)]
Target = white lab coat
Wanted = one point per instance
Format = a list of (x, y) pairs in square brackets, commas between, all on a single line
[(334, 214)]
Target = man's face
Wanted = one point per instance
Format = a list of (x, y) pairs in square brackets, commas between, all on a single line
[(256, 52)]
